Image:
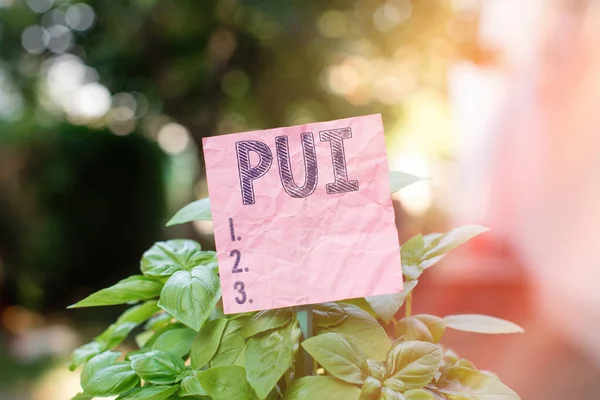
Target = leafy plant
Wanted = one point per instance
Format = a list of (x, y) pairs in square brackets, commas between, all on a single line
[(188, 349)]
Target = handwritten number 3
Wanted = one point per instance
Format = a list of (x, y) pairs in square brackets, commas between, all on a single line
[(239, 286)]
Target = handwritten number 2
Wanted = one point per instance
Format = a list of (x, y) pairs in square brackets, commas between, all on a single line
[(237, 255), (239, 286)]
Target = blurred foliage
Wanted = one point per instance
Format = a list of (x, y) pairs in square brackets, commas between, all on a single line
[(69, 168)]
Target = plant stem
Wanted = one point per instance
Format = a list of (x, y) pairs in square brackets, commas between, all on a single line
[(408, 305)]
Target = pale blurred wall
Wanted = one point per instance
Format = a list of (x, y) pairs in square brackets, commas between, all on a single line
[(530, 151)]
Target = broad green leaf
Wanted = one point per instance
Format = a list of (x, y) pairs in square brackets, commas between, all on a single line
[(232, 344), (411, 253), (387, 305), (96, 363), (321, 387), (175, 341), (440, 244), (376, 369), (190, 296), (459, 383), (391, 394), (328, 314), (198, 210), (150, 393), (268, 356), (84, 353), (166, 258), (411, 328), (399, 180), (371, 389), (418, 394), (267, 320), (111, 380), (134, 288), (190, 386), (415, 363), (139, 313), (333, 352), (227, 382), (115, 334), (158, 367), (481, 324), (206, 342), (362, 331), (158, 321), (435, 325)]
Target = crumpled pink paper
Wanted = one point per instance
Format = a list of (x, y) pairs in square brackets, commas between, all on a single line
[(295, 251)]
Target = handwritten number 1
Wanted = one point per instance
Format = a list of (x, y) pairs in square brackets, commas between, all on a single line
[(239, 286)]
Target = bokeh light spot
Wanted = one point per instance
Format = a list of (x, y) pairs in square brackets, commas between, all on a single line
[(173, 138), (235, 83), (32, 39), (333, 24), (80, 17)]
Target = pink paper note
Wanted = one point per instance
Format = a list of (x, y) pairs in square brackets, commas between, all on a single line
[(303, 214)]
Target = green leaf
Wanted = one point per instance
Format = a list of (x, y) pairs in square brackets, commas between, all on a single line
[(190, 296), (435, 325), (96, 363), (267, 320), (134, 288), (333, 352), (411, 253), (81, 396), (387, 305), (411, 328), (158, 367), (150, 393), (399, 180), (362, 331), (415, 363), (371, 389), (376, 369), (175, 341), (268, 356), (437, 245), (459, 383), (206, 342), (361, 303), (150, 342), (422, 252), (390, 394), (190, 386), (321, 387), (84, 353), (158, 321), (481, 324), (328, 314), (115, 334), (418, 394), (395, 384), (166, 258), (227, 382), (198, 210), (111, 380), (139, 313), (231, 348)]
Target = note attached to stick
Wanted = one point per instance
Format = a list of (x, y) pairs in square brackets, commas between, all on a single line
[(303, 214)]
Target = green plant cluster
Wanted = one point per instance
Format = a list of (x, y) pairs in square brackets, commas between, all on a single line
[(188, 349)]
